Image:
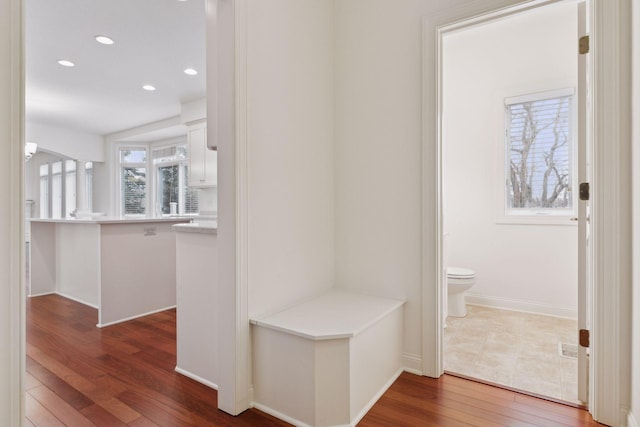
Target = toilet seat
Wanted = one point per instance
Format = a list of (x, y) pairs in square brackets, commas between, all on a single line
[(460, 273)]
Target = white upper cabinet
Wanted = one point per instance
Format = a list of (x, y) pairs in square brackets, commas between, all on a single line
[(203, 162)]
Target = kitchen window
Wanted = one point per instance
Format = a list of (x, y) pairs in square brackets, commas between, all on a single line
[(173, 195), (153, 180), (133, 181)]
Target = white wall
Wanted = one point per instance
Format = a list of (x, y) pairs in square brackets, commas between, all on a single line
[(527, 267), (635, 167), (289, 128), (70, 143), (377, 151), (10, 221)]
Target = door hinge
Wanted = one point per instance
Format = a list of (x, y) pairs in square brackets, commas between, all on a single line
[(583, 45), (584, 338), (584, 191)]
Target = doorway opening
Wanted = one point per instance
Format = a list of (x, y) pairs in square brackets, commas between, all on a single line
[(509, 168)]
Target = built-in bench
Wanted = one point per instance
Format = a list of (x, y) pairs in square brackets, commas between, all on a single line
[(326, 361)]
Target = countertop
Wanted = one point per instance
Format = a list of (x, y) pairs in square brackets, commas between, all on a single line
[(111, 220), (198, 226)]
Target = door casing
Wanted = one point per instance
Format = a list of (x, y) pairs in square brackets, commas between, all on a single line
[(611, 192)]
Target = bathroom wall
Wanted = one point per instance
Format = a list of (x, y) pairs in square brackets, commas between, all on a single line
[(527, 267)]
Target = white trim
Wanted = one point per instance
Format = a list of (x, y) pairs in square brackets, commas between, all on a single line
[(354, 421), (539, 96), (17, 277), (374, 399), (73, 299), (126, 319), (522, 306), (279, 415), (41, 294), (610, 207), (227, 97), (196, 378), (412, 363), (631, 420)]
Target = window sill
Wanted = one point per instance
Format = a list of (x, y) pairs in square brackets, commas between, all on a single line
[(562, 220)]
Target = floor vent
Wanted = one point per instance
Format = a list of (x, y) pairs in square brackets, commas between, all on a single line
[(568, 350)]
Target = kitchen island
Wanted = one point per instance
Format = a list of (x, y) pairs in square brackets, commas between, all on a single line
[(123, 267)]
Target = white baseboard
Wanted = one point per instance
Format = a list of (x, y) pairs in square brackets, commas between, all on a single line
[(64, 296), (196, 378), (412, 363), (41, 294), (354, 421), (522, 305), (375, 398), (67, 296), (279, 415), (631, 420), (102, 325)]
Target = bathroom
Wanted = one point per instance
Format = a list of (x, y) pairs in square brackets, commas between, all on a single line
[(525, 261)]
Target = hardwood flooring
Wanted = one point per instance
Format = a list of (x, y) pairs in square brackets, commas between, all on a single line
[(79, 375)]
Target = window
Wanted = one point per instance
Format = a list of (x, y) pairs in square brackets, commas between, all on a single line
[(57, 189), (89, 184), (539, 154), (69, 187), (171, 168), (44, 191), (133, 181)]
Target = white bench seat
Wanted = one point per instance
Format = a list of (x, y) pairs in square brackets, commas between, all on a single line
[(326, 361)]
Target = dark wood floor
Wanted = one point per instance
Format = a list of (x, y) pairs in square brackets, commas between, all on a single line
[(79, 375)]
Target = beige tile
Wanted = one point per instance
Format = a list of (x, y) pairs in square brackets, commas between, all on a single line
[(515, 349), (459, 361), (503, 342)]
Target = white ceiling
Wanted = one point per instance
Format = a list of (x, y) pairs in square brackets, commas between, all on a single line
[(155, 40)]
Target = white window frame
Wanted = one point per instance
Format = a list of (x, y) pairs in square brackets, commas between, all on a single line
[(118, 179), (179, 163), (505, 215)]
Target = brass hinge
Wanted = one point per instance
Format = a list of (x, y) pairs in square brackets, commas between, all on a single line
[(584, 191), (583, 45), (584, 338)]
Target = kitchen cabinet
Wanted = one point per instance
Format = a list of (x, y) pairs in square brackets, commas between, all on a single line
[(203, 162)]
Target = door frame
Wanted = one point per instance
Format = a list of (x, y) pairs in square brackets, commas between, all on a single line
[(611, 192)]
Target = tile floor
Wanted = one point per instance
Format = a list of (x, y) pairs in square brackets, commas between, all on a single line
[(515, 349)]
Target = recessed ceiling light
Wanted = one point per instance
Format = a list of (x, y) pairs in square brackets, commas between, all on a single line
[(150, 88), (104, 40), (190, 72), (66, 63)]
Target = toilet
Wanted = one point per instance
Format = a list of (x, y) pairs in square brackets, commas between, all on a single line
[(459, 280)]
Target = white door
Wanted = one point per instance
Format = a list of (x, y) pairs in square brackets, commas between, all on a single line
[(584, 228)]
